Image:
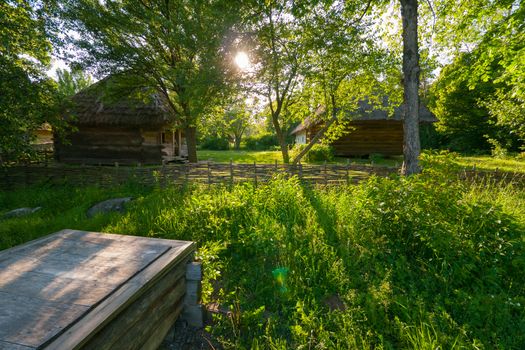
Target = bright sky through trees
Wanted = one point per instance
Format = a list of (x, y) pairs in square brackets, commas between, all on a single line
[(242, 60)]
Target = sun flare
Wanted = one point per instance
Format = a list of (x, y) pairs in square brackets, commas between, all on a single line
[(242, 60)]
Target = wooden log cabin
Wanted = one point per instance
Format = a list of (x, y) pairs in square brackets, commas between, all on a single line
[(124, 130), (371, 131)]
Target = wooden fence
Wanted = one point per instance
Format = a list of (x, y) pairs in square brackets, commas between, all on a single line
[(204, 172), (497, 176), (212, 173)]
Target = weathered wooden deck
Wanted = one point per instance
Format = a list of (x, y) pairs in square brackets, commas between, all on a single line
[(87, 290)]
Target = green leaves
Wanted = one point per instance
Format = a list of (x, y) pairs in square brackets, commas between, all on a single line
[(22, 32), (27, 96), (492, 34), (176, 47)]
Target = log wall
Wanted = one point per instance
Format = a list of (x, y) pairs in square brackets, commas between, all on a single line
[(107, 145), (378, 136)]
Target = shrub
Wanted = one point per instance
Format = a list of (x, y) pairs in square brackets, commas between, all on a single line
[(263, 142), (215, 143), (497, 150), (318, 152)]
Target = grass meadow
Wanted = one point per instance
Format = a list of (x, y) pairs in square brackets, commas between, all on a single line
[(487, 163), (426, 262)]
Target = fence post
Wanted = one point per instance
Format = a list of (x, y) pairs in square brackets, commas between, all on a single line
[(300, 171), (347, 171), (163, 174), (276, 166), (231, 172), (255, 173), (209, 174), (186, 175), (116, 174), (325, 174)]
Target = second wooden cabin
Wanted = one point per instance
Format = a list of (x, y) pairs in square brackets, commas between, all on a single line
[(371, 131), (125, 129)]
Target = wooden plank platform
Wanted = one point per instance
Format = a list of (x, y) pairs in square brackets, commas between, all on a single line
[(89, 290)]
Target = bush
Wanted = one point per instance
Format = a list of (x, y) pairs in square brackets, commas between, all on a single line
[(263, 142), (497, 150), (318, 152), (215, 143)]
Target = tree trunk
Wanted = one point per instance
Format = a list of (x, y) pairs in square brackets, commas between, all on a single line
[(314, 140), (280, 137), (411, 145), (284, 148), (237, 143), (191, 142)]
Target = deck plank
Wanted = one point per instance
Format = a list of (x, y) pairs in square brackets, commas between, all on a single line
[(80, 332), (59, 289), (30, 321), (11, 346)]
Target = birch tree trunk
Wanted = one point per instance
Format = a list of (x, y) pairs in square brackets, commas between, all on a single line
[(411, 145)]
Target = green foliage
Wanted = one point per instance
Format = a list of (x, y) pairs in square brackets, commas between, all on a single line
[(69, 83), (318, 153), (27, 96), (229, 122), (215, 142), (465, 122), (261, 142), (491, 36), (62, 207), (430, 138), (176, 48), (421, 262), (497, 150)]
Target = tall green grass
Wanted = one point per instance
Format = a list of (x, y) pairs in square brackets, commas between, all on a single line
[(420, 262)]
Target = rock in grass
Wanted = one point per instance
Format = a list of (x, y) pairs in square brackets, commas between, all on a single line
[(20, 212), (110, 205)]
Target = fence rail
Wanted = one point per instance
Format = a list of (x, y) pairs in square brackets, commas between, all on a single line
[(212, 173), (204, 172)]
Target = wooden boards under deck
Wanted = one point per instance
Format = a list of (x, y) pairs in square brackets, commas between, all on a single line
[(87, 290)]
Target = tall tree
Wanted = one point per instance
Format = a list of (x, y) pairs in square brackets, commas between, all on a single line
[(27, 95), (492, 33), (465, 121), (229, 121), (308, 45), (343, 66), (411, 145), (177, 47), (277, 62)]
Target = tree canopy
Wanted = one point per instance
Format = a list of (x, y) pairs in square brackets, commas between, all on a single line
[(27, 96), (303, 55), (177, 47), (482, 92)]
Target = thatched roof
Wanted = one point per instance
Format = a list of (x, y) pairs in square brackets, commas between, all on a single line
[(366, 111), (99, 105)]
